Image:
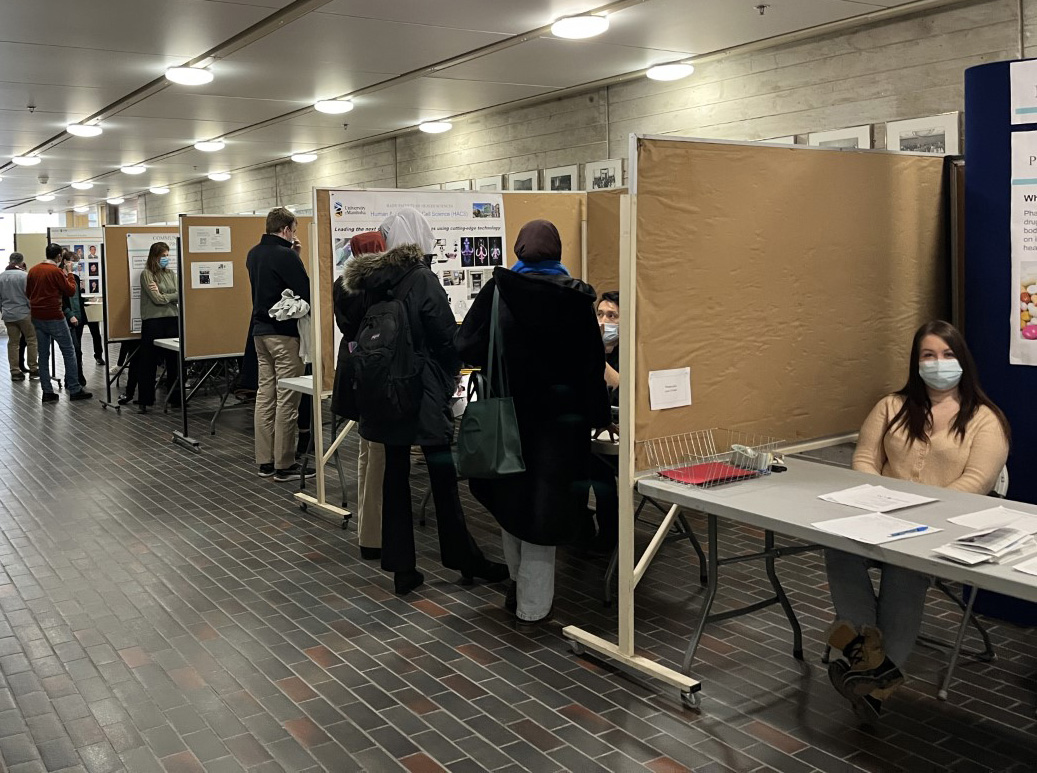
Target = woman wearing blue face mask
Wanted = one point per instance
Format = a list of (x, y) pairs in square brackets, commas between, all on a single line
[(159, 312), (940, 430)]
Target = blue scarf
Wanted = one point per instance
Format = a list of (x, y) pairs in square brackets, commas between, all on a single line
[(541, 267)]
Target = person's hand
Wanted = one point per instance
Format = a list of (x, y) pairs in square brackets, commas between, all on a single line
[(611, 429), (153, 286), (297, 246), (73, 320)]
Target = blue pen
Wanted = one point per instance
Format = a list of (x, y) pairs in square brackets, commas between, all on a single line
[(908, 531)]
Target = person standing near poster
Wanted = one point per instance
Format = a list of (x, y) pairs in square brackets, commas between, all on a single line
[(75, 312), (273, 267), (160, 318), (14, 306)]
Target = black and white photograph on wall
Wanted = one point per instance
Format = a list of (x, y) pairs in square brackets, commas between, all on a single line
[(476, 280), (601, 175), (524, 181), (458, 185), (856, 137), (562, 178), (938, 135), (496, 251), (495, 183)]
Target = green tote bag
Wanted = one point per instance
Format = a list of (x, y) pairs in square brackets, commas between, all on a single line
[(488, 442)]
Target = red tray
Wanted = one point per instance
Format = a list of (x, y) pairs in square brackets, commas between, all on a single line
[(708, 472)]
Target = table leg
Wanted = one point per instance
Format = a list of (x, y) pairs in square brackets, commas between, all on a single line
[(223, 397), (772, 575), (953, 660), (711, 594)]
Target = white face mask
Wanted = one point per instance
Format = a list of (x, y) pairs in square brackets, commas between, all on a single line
[(610, 333), (940, 374)]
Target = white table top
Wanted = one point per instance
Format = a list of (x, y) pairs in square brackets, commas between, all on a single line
[(787, 503), (173, 344), (303, 384)]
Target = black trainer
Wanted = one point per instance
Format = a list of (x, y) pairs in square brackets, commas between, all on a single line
[(82, 394), (266, 470), (292, 473), (50, 397)]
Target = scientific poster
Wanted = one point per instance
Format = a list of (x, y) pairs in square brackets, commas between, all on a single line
[(1024, 92), (1023, 347), (138, 246), (468, 226), (209, 238), (211, 275), (85, 243)]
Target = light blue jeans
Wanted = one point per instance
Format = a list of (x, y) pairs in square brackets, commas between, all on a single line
[(897, 609), (56, 330), (532, 567)]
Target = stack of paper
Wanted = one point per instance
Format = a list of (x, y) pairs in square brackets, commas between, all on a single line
[(996, 517), (877, 499), (874, 528), (997, 546), (1028, 567)]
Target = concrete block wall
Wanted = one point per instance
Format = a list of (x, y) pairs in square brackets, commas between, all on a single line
[(907, 68)]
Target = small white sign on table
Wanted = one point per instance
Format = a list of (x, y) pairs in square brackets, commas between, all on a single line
[(209, 275), (669, 388), (208, 238)]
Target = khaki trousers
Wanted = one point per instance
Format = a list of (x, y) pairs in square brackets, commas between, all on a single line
[(277, 410), (370, 474), (15, 330)]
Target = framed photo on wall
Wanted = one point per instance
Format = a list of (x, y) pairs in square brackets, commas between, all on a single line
[(524, 181), (938, 135), (562, 178), (854, 137), (789, 140), (495, 183), (601, 175), (458, 185)]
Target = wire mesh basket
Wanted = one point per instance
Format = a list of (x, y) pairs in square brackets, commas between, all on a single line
[(708, 458)]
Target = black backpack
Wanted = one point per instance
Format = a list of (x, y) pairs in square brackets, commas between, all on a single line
[(385, 370)]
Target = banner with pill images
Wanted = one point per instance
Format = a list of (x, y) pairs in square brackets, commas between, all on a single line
[(1023, 347)]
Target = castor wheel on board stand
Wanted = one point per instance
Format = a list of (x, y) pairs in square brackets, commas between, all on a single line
[(576, 647), (344, 524), (302, 506), (693, 700)]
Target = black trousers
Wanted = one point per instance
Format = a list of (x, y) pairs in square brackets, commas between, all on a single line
[(603, 473), (130, 349), (149, 356), (457, 549), (77, 344), (95, 334)]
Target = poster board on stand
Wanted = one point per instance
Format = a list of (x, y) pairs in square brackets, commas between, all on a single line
[(216, 304), (116, 275), (86, 244), (603, 211)]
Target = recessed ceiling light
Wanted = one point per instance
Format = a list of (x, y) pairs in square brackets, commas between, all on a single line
[(83, 186), (83, 129), (219, 176), (304, 158), (189, 76), (436, 127), (133, 169), (45, 197), (159, 190), (333, 106), (81, 210), (670, 72), (578, 27), (116, 201), (210, 146), (26, 160)]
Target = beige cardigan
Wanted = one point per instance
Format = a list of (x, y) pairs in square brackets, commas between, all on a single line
[(971, 464)]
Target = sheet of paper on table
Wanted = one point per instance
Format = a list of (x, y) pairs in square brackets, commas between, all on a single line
[(874, 528), (1028, 567), (996, 517), (877, 499)]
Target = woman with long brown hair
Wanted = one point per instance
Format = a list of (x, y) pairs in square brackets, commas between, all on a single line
[(159, 313), (940, 429)]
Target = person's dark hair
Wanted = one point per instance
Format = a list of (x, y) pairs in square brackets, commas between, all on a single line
[(915, 415), (16, 259), (54, 251), (612, 296), (278, 219), (158, 249)]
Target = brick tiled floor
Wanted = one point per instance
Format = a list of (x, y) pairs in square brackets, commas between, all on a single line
[(162, 610)]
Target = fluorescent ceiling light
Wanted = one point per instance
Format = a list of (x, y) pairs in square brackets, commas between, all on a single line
[(133, 169), (304, 158), (26, 160), (83, 129), (579, 27), (219, 176), (210, 146), (189, 76), (159, 190), (670, 72), (435, 127), (116, 201), (45, 197), (83, 186), (81, 210), (333, 106)]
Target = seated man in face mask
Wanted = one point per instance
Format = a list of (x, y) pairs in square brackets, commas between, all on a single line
[(603, 468)]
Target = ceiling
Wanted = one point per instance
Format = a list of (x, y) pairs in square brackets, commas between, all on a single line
[(70, 60)]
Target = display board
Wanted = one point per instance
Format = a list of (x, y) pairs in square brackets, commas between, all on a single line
[(85, 243), (216, 301), (116, 276), (789, 280), (567, 210), (603, 239)]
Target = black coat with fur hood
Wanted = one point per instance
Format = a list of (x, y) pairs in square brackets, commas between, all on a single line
[(366, 280)]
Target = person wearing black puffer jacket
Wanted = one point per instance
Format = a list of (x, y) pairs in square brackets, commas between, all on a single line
[(369, 279)]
